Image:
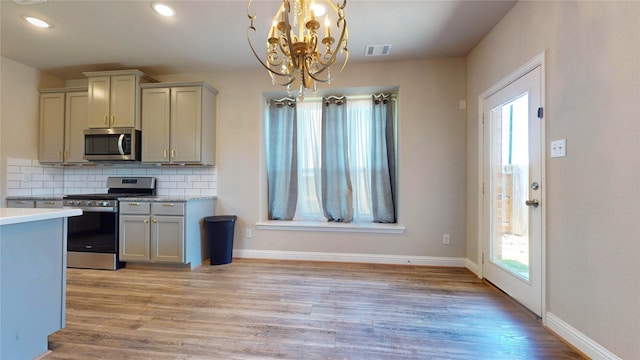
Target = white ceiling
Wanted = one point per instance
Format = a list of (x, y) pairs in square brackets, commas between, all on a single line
[(212, 35)]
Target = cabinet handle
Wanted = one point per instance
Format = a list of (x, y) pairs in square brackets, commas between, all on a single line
[(168, 204), (134, 204), (164, 154), (49, 202), (146, 221), (105, 119), (154, 221), (66, 154), (59, 154), (113, 120), (173, 153), (20, 202)]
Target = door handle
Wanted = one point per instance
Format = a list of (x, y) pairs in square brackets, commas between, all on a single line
[(120, 142), (535, 203)]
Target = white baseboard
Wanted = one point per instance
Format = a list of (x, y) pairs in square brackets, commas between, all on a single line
[(473, 267), (577, 339), (348, 257)]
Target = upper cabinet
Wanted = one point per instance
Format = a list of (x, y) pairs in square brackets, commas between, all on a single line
[(114, 98), (63, 118), (178, 123)]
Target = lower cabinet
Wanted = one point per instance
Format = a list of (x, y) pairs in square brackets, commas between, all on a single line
[(21, 203), (163, 232), (28, 203)]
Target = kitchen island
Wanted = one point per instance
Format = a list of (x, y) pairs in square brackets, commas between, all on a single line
[(33, 266)]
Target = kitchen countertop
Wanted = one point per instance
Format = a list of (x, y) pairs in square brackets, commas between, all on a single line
[(157, 198), (10, 216), (169, 198)]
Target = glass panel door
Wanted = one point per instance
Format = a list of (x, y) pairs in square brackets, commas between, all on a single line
[(509, 186)]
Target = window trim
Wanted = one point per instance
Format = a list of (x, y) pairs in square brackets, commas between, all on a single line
[(321, 226), (379, 228)]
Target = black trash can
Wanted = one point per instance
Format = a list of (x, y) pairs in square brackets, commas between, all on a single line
[(220, 238)]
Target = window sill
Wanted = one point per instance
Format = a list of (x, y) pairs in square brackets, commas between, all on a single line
[(331, 227)]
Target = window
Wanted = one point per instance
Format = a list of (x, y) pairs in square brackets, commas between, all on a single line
[(332, 159)]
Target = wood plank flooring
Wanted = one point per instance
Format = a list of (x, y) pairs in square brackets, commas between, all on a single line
[(259, 309)]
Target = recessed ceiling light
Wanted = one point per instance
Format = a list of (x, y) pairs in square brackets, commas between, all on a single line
[(164, 10), (37, 22)]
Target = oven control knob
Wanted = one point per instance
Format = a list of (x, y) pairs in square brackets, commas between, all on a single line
[(87, 203), (105, 203), (76, 203)]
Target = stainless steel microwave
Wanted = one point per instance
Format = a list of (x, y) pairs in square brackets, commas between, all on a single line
[(118, 144)]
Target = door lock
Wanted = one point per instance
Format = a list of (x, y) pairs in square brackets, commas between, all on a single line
[(535, 203)]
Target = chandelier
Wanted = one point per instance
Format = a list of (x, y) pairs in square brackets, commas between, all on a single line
[(297, 49)]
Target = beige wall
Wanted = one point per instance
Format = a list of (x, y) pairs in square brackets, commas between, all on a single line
[(431, 154), (19, 125), (431, 158), (593, 194)]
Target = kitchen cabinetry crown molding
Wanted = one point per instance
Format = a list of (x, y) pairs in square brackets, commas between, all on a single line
[(63, 90), (120, 72), (178, 84)]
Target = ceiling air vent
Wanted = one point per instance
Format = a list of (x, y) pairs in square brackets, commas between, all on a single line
[(377, 50)]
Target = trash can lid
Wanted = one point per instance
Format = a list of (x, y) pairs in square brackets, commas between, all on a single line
[(220, 218)]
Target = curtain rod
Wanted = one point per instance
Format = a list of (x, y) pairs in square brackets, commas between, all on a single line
[(349, 97)]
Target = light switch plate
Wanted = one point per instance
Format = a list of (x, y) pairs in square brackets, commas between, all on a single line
[(559, 148)]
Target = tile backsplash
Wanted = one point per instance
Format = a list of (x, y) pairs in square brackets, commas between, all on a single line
[(27, 177)]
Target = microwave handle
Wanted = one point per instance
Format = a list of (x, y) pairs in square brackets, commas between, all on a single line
[(120, 140)]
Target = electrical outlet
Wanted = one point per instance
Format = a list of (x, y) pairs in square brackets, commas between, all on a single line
[(446, 239), (248, 233)]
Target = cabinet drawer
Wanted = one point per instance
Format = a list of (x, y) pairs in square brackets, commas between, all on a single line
[(21, 203), (167, 208), (49, 203), (134, 207)]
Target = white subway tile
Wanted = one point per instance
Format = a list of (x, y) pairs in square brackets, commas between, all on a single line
[(192, 192), (19, 192), (177, 192), (13, 169), (15, 177), (13, 184)]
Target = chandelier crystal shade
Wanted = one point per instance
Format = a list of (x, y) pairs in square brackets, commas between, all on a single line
[(298, 47)]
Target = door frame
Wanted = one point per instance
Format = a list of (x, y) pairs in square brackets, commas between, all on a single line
[(482, 224)]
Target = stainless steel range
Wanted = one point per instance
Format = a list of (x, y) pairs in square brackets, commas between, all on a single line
[(92, 240)]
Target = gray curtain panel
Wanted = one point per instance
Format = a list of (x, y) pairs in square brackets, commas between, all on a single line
[(337, 198), (383, 160), (282, 160)]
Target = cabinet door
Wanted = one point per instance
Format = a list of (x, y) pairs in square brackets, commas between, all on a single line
[(21, 204), (51, 128), (155, 125), (167, 239), (53, 204), (186, 124), (75, 123), (134, 237), (98, 105), (124, 98)]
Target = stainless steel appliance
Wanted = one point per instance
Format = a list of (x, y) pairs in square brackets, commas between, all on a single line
[(118, 144), (92, 238)]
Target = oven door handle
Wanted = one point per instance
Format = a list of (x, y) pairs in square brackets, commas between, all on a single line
[(120, 141), (111, 209)]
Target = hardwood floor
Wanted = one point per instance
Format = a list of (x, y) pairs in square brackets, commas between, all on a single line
[(258, 309)]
